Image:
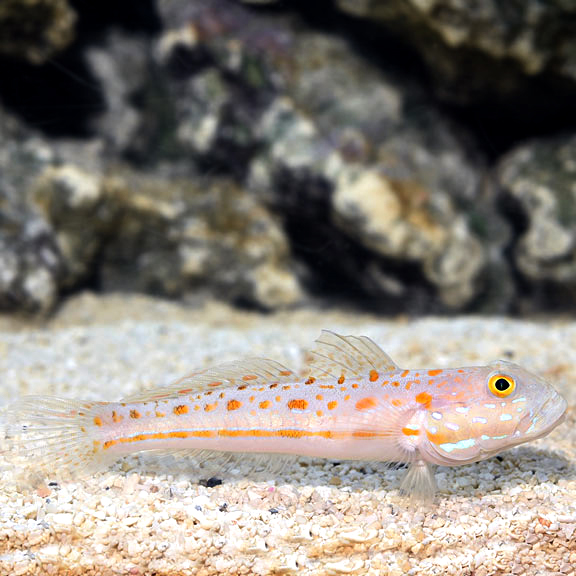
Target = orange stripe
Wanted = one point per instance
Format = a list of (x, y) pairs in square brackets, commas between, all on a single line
[(290, 433)]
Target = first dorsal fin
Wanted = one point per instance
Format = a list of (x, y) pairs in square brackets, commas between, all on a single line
[(253, 371), (350, 356)]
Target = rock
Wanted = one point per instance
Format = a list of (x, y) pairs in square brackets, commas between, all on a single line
[(538, 182), (70, 220), (35, 30), (338, 164), (501, 44), (80, 209), (183, 239), (146, 233), (29, 258), (121, 64)]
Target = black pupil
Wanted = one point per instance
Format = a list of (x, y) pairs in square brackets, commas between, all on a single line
[(501, 385)]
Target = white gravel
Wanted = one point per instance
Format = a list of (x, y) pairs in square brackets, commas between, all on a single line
[(152, 516)]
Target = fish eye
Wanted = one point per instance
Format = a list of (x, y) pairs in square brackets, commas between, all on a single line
[(501, 385)]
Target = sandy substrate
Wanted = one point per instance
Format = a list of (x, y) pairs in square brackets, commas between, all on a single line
[(515, 514)]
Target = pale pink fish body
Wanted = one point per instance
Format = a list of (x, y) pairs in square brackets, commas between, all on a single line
[(354, 403)]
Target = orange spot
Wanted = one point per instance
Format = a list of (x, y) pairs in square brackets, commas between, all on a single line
[(319, 397), (286, 387), (343, 389), (98, 421), (251, 399), (374, 375), (249, 377), (397, 402), (180, 409), (221, 395), (385, 382), (332, 404), (410, 432), (354, 386), (460, 371), (342, 379), (319, 413), (396, 383), (160, 414), (408, 385), (366, 403), (285, 373), (186, 391), (233, 405), (196, 407), (134, 414), (434, 372), (273, 385), (214, 384), (300, 404), (347, 397), (265, 404), (243, 387), (326, 387), (209, 393), (210, 407), (311, 380), (405, 373), (424, 398)]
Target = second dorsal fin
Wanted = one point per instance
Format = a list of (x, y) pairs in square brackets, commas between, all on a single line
[(349, 356), (253, 371)]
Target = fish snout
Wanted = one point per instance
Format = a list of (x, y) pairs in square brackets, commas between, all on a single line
[(545, 417)]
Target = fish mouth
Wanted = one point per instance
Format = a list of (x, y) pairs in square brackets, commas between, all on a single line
[(545, 418)]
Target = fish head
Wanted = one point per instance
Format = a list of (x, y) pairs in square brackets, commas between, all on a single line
[(493, 408)]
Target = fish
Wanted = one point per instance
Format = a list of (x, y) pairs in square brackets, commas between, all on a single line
[(352, 402)]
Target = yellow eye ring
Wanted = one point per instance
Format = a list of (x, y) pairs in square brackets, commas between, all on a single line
[(501, 385)]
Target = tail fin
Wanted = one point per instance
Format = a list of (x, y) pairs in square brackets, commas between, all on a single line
[(43, 434)]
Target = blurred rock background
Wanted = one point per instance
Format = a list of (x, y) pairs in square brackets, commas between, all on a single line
[(392, 155)]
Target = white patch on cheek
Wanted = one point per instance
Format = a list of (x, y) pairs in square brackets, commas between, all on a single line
[(436, 415), (462, 409), (461, 445), (452, 426), (505, 417), (479, 420)]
